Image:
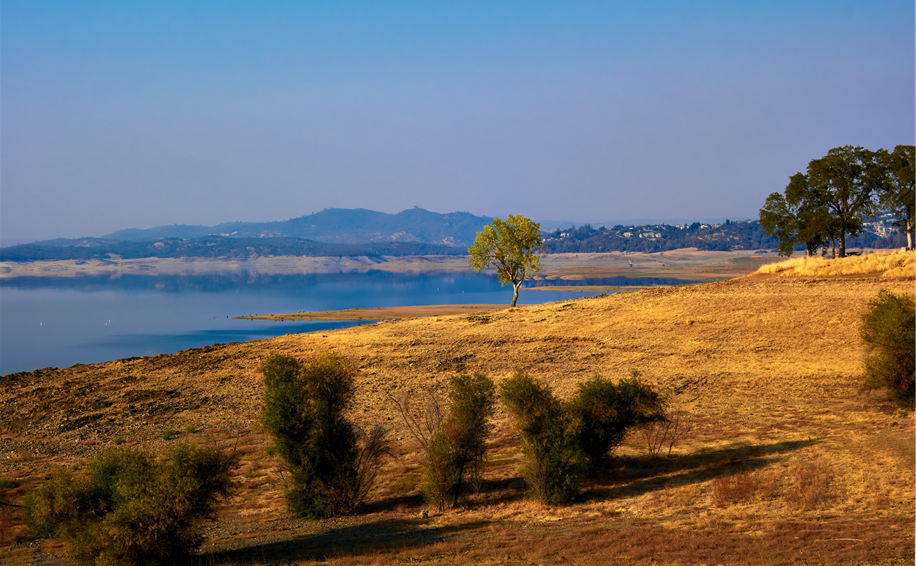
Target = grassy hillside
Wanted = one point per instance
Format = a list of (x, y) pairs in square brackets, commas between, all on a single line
[(787, 460)]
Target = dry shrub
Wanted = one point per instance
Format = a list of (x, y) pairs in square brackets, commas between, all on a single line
[(889, 264), (813, 486), (733, 488), (667, 497), (662, 436)]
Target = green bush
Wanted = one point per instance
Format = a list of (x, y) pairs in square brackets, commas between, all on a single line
[(561, 441), (167, 434), (331, 462), (551, 453), (457, 450), (888, 331), (131, 508), (603, 412)]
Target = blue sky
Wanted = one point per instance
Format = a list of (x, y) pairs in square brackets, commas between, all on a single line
[(137, 114)]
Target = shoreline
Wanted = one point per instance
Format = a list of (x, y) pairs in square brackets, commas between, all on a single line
[(688, 263), (382, 313)]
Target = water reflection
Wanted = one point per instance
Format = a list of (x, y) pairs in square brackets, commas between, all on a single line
[(61, 321)]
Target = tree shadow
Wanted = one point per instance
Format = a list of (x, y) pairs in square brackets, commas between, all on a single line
[(634, 477), (492, 491), (351, 540), (629, 477)]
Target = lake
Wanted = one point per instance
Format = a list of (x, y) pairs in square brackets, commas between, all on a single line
[(61, 321)]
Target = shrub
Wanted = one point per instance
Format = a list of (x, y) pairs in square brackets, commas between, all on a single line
[(603, 412), (118, 440), (167, 434), (331, 462), (132, 508), (562, 440), (457, 448), (888, 331), (550, 452), (662, 436)]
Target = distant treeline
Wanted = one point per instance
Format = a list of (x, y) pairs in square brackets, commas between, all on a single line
[(213, 247), (746, 235)]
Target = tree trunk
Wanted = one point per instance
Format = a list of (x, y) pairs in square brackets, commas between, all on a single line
[(515, 286), (909, 235), (843, 244)]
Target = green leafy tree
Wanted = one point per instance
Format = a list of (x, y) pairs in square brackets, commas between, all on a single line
[(845, 181), (132, 508), (899, 187), (331, 461), (512, 247), (889, 331), (796, 217)]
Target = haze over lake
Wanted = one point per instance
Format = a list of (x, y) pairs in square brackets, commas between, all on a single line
[(61, 321)]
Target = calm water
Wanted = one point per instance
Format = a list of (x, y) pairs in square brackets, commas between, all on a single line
[(58, 322)]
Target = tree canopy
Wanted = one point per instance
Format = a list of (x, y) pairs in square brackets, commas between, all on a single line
[(899, 186), (845, 181), (512, 247), (837, 194), (795, 218)]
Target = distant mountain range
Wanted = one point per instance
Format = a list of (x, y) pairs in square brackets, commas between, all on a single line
[(334, 226)]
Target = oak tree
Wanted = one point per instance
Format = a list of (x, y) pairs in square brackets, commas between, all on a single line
[(796, 218), (845, 181), (898, 187)]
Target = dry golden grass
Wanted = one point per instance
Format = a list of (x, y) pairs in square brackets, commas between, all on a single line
[(768, 371), (896, 265)]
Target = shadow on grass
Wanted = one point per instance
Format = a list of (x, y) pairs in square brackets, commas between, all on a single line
[(630, 477), (638, 477), (354, 540)]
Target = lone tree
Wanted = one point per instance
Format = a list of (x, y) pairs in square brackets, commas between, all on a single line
[(511, 246)]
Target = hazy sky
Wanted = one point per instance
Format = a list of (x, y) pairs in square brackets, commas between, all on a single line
[(136, 114)]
